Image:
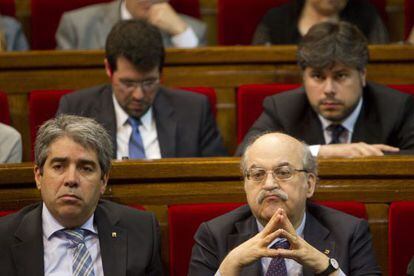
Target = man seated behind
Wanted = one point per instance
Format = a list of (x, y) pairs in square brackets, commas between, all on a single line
[(144, 119), (337, 108), (10, 145), (279, 232), (88, 27), (73, 232)]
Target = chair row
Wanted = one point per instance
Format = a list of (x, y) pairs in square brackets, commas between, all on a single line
[(43, 104), (184, 220), (236, 20)]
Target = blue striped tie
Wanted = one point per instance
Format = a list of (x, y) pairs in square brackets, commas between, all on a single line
[(136, 146), (277, 266), (82, 261)]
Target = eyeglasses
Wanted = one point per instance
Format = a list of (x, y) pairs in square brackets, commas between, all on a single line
[(145, 85), (280, 173)]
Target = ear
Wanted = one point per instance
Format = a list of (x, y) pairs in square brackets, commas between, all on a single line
[(363, 76), (311, 184), (38, 176), (108, 68), (104, 182)]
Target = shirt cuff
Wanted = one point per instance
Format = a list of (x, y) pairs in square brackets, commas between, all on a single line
[(218, 273), (186, 39), (314, 149)]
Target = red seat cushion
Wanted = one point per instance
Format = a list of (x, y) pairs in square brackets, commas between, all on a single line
[(207, 91), (183, 221), (400, 238), (249, 102), (4, 109), (43, 105)]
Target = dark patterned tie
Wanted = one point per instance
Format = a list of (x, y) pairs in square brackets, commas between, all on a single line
[(82, 261), (277, 266), (136, 146), (336, 132)]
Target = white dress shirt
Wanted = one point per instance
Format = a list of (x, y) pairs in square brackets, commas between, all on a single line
[(348, 124), (186, 39), (147, 129), (58, 254)]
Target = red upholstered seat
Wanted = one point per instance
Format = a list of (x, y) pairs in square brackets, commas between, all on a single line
[(237, 20), (43, 105), (4, 109), (7, 7), (183, 222), (7, 212), (189, 7), (45, 17), (207, 91), (400, 238), (137, 206), (406, 88), (356, 209), (249, 101)]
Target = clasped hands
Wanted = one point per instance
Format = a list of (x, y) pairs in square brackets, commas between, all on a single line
[(257, 247)]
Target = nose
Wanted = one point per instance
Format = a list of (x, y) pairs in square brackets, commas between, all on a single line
[(71, 177), (138, 92), (269, 182), (329, 87)]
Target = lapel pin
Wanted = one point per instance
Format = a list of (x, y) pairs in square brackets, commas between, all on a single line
[(113, 234), (326, 252)]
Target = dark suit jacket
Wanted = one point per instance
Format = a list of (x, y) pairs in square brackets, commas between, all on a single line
[(185, 124), (135, 251), (347, 238), (386, 117)]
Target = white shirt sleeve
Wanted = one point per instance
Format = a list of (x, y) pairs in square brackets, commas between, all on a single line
[(186, 39), (314, 149)]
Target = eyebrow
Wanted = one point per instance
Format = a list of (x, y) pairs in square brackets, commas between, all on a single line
[(79, 161)]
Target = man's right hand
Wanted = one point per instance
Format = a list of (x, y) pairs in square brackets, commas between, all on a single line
[(355, 150)]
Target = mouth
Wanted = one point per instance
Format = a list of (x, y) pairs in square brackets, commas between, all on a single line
[(69, 198)]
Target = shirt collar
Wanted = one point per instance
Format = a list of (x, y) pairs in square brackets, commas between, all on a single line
[(51, 225), (125, 14), (122, 117), (349, 122)]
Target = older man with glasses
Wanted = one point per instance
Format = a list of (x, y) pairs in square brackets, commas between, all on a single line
[(279, 232), (145, 119)]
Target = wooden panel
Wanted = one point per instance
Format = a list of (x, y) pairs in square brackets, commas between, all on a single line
[(224, 68), (158, 183)]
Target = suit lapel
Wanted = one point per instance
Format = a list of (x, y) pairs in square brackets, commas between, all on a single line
[(311, 128), (110, 15), (166, 124), (245, 230), (112, 242), (368, 125), (317, 236), (28, 250)]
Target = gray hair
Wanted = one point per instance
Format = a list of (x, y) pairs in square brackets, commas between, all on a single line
[(84, 131), (329, 43), (308, 160)]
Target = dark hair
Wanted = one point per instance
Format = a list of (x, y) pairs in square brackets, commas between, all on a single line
[(84, 131), (329, 43), (139, 42)]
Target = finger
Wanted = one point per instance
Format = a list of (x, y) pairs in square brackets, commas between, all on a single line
[(272, 225), (286, 224), (368, 150), (383, 147)]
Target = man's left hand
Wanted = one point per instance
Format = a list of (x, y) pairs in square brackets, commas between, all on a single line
[(163, 16)]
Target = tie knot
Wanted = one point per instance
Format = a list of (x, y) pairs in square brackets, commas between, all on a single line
[(337, 130), (134, 122), (281, 244), (75, 235)]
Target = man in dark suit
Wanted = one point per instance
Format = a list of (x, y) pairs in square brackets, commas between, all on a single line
[(171, 123), (337, 111), (73, 232), (278, 231)]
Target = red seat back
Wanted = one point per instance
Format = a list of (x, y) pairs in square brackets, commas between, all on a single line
[(8, 7), (7, 212), (356, 209), (207, 91), (183, 222), (249, 101), (43, 105), (237, 20), (408, 17), (4, 109), (45, 17), (400, 238), (188, 7), (406, 88)]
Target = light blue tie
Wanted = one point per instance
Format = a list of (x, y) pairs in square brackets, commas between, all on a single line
[(136, 147), (82, 261)]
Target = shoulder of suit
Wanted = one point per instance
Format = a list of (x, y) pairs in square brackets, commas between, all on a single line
[(112, 208), (7, 132), (326, 214), (89, 93), (99, 10), (384, 93), (240, 213), (180, 94), (14, 219)]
